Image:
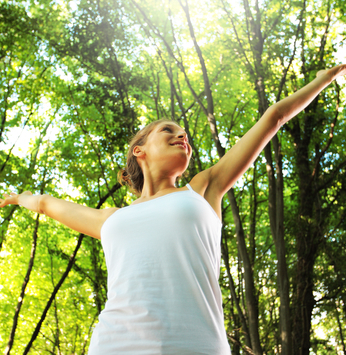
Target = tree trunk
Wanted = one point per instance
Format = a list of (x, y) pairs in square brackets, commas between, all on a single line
[(306, 240), (251, 300), (283, 283), (52, 296), (22, 292), (250, 292), (64, 276), (275, 203), (235, 298), (340, 329)]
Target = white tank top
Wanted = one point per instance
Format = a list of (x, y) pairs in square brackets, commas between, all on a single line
[(163, 261)]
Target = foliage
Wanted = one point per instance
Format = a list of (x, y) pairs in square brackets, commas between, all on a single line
[(80, 78)]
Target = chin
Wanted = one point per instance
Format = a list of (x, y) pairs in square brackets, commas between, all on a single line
[(179, 164)]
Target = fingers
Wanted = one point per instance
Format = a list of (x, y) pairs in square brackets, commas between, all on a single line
[(3, 201), (11, 198), (7, 195), (6, 198), (343, 69)]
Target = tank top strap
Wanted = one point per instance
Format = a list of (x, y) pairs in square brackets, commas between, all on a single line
[(189, 187)]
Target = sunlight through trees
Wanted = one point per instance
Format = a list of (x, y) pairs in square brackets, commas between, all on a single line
[(79, 78)]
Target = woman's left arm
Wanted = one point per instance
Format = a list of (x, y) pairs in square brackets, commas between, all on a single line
[(223, 175)]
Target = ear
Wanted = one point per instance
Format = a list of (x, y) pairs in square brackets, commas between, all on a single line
[(138, 151)]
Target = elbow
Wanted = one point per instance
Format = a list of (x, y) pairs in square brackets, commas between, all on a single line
[(276, 116)]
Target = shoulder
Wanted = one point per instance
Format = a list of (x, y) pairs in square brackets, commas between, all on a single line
[(200, 182), (107, 212), (205, 183)]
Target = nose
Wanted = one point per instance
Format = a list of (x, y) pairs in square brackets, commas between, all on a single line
[(184, 136)]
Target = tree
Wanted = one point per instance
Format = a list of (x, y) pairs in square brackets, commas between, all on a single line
[(81, 79)]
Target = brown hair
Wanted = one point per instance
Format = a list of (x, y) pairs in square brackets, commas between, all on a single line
[(132, 175)]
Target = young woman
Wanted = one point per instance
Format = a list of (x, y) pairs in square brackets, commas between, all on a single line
[(163, 251)]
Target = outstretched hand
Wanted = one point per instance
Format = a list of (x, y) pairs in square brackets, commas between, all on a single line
[(336, 72), (12, 198)]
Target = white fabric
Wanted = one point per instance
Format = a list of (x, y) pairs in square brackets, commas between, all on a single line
[(163, 261)]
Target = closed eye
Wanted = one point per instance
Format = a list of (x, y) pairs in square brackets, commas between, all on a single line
[(170, 129)]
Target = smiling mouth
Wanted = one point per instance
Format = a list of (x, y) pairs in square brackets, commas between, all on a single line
[(180, 144)]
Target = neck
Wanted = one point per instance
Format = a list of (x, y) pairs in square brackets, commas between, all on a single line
[(156, 182)]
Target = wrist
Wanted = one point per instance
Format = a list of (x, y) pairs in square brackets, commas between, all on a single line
[(326, 75), (22, 198), (31, 202), (333, 73)]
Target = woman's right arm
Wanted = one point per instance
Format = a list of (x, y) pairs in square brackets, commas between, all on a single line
[(80, 218)]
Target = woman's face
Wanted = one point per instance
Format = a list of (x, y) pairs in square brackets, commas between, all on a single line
[(167, 148)]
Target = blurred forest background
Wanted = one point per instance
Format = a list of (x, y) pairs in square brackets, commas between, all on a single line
[(79, 78)]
